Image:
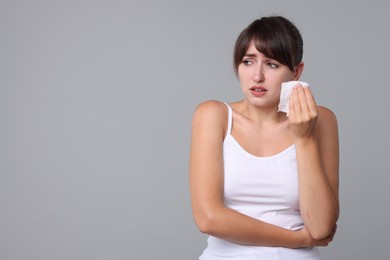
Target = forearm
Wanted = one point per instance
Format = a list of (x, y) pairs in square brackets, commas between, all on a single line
[(319, 207), (238, 228)]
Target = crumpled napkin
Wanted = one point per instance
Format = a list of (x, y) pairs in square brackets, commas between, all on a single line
[(285, 94)]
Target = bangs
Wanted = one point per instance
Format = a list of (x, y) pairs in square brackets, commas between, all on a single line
[(273, 45)]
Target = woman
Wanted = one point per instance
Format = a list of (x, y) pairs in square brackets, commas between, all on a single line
[(264, 185)]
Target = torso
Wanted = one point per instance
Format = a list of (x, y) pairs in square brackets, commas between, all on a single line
[(260, 140), (260, 181)]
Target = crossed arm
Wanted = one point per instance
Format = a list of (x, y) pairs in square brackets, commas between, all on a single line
[(206, 185)]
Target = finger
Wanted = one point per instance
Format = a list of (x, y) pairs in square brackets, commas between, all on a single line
[(312, 105), (303, 101), (294, 106)]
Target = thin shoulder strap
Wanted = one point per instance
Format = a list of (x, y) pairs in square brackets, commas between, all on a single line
[(230, 119)]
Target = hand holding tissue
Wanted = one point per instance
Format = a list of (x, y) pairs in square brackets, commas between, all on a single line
[(285, 94)]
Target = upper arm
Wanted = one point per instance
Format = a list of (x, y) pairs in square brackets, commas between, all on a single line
[(328, 140), (206, 160)]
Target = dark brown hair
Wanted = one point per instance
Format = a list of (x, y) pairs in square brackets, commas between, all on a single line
[(275, 37)]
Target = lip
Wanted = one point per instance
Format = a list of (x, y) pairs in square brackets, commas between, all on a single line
[(258, 91)]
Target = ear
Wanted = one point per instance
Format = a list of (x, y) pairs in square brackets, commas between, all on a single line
[(298, 71)]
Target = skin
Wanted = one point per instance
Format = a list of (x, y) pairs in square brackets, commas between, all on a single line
[(262, 131)]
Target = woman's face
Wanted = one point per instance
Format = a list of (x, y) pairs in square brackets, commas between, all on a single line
[(261, 78)]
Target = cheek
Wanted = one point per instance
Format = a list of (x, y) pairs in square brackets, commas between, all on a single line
[(240, 73), (242, 76), (288, 76), (283, 77)]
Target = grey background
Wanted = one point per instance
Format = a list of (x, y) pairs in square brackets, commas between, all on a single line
[(96, 99)]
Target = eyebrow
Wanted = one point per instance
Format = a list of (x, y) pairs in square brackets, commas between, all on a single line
[(253, 55), (250, 55)]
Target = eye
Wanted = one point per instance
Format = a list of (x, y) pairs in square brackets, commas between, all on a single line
[(247, 62), (272, 64)]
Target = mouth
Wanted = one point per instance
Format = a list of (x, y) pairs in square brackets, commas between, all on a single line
[(258, 89)]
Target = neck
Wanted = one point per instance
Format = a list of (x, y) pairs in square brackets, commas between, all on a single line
[(262, 115)]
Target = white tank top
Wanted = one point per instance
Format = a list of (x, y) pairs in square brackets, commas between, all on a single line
[(265, 188)]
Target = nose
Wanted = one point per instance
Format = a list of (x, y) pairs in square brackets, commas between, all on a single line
[(258, 75)]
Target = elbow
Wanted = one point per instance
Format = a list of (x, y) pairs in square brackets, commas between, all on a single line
[(203, 226), (319, 234), (324, 227), (205, 222), (323, 231)]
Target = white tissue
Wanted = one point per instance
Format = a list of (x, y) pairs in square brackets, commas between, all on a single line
[(285, 94)]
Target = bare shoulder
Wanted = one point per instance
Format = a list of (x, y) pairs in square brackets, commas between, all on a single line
[(211, 115), (327, 127), (211, 110), (326, 116)]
